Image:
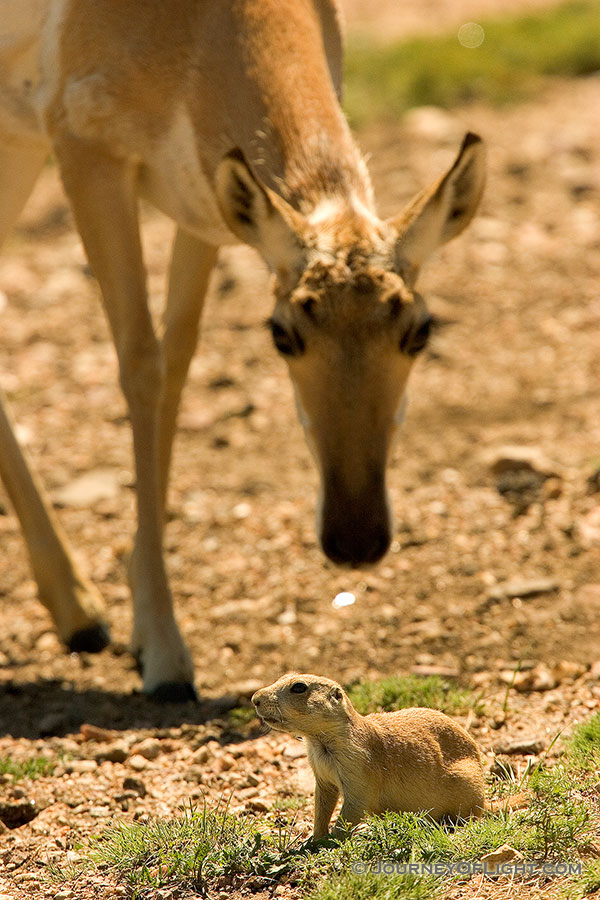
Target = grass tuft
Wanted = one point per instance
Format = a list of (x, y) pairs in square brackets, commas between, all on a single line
[(36, 767), (517, 56), (413, 690), (583, 748)]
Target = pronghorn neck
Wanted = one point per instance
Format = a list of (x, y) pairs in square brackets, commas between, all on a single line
[(303, 146), (325, 177)]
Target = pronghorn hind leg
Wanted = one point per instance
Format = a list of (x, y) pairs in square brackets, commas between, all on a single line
[(20, 165), (73, 602), (102, 191)]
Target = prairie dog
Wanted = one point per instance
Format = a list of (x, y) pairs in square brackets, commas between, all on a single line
[(413, 760)]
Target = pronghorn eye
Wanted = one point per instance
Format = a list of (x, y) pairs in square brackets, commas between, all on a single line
[(416, 337), (395, 305), (308, 305), (289, 343), (298, 687)]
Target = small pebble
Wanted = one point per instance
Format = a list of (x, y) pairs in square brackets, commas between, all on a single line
[(95, 733), (137, 762), (149, 749), (258, 805), (115, 753), (521, 746), (81, 765), (225, 763), (136, 785), (344, 598)]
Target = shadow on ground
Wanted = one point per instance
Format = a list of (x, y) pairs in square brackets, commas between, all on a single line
[(51, 708)]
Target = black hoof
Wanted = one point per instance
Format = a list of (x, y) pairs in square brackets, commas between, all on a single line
[(174, 692), (89, 640)]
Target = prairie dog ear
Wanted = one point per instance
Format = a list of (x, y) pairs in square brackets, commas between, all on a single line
[(258, 216), (336, 695), (440, 212)]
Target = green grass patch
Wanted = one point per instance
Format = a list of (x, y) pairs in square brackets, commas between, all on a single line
[(199, 849), (240, 716), (583, 748), (587, 883), (211, 850), (370, 886), (283, 804), (516, 57), (36, 767), (390, 694), (554, 827)]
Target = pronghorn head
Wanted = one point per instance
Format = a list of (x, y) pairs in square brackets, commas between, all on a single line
[(350, 323)]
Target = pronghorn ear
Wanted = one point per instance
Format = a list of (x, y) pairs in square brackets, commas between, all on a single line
[(257, 215), (440, 212)]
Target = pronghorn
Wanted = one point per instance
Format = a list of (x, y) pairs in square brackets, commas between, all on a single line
[(226, 115)]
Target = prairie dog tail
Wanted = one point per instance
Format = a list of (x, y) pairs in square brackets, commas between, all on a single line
[(504, 804)]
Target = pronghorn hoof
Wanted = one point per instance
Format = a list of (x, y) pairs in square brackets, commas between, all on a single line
[(89, 640), (174, 692)]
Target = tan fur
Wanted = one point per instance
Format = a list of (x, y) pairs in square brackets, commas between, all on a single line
[(226, 115), (413, 760)]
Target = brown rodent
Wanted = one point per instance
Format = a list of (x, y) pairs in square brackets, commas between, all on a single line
[(413, 760)]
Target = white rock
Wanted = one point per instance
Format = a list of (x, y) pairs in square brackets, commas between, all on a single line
[(89, 488), (344, 598), (513, 457)]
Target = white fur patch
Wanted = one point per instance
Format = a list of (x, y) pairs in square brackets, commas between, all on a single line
[(401, 411), (328, 208), (363, 211), (173, 180), (21, 27), (56, 11), (302, 414)]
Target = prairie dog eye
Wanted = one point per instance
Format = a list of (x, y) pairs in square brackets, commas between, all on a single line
[(298, 687)]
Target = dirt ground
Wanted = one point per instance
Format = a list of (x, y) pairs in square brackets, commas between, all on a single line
[(495, 563)]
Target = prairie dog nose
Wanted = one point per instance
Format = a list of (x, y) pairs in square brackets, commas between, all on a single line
[(256, 698)]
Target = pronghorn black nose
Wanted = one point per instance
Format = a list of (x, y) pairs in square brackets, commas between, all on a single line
[(355, 546), (355, 524)]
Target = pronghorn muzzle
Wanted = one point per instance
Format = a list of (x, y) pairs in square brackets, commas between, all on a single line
[(355, 528)]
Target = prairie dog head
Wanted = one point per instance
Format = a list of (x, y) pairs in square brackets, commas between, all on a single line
[(302, 704)]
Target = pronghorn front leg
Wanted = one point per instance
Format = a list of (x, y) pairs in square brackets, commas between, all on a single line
[(102, 190), (191, 264)]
